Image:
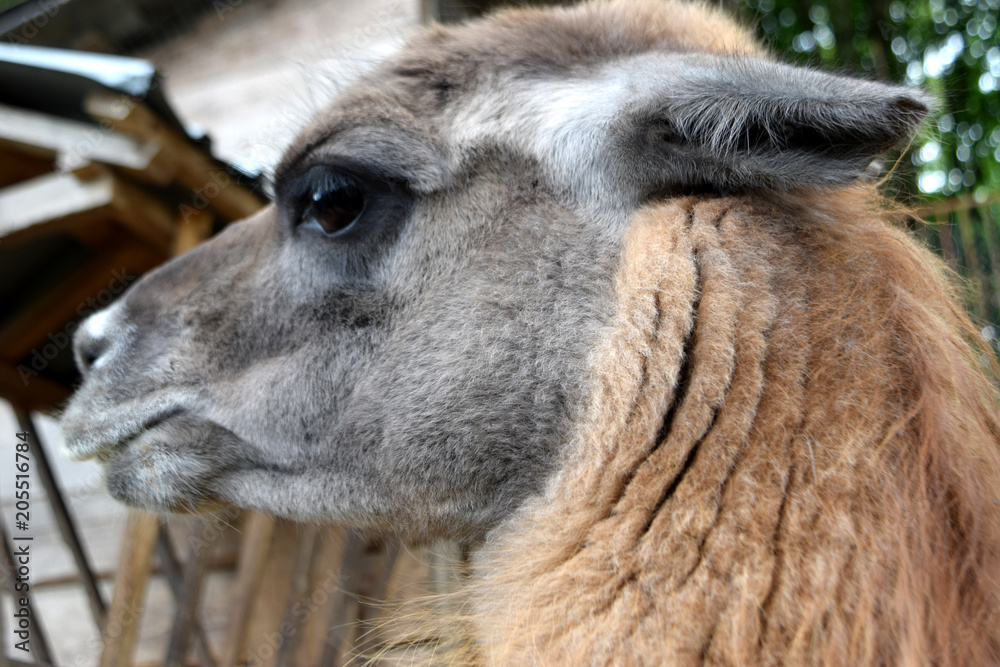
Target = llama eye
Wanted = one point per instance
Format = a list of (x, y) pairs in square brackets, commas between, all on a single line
[(334, 205)]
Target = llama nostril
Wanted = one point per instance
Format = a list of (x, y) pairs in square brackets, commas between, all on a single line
[(91, 341), (88, 350)]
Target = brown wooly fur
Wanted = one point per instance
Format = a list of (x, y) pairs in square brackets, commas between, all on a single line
[(822, 489)]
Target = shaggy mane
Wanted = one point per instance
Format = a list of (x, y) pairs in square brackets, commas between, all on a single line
[(790, 455)]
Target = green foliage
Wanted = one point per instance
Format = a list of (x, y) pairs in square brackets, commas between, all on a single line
[(10, 4), (948, 47)]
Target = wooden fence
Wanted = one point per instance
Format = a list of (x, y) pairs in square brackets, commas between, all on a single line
[(966, 233)]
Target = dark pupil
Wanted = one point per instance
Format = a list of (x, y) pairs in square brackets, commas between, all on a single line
[(335, 208)]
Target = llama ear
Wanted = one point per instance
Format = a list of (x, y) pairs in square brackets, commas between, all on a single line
[(732, 124)]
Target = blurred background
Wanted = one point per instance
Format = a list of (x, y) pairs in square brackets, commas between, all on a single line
[(158, 127)]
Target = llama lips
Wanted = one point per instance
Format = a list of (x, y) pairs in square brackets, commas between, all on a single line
[(173, 465), (100, 438)]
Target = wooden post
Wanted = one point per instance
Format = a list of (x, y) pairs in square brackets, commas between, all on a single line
[(122, 630), (992, 283), (258, 529), (968, 233), (171, 568), (185, 619), (292, 623)]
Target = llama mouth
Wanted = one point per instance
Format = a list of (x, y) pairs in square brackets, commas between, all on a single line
[(174, 464), (105, 454), (100, 438)]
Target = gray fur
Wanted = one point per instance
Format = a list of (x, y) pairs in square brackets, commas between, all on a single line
[(423, 375)]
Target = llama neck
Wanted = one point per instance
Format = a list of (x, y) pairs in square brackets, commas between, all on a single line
[(698, 515)]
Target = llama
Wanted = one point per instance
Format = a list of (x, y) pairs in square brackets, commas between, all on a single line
[(608, 294)]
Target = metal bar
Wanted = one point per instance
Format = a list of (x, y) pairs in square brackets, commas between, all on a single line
[(38, 645), (172, 571), (185, 618), (65, 522)]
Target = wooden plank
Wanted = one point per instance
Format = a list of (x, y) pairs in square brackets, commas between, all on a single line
[(17, 165), (945, 206), (33, 391), (344, 605), (263, 636), (171, 569), (195, 169), (122, 630), (145, 216), (190, 227), (75, 143), (292, 622), (258, 531), (51, 197), (65, 202), (374, 575), (110, 272), (185, 616), (323, 586), (66, 526)]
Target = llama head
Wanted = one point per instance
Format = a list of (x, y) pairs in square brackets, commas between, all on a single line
[(403, 338)]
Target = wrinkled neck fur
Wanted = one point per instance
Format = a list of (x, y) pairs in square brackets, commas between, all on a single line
[(766, 463)]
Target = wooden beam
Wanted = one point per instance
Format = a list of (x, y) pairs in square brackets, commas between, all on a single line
[(952, 204), (26, 387), (51, 197), (17, 165), (195, 169), (74, 143), (44, 321), (344, 604), (67, 202), (323, 585), (192, 226)]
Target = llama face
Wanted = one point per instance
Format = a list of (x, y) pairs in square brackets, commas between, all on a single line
[(402, 340)]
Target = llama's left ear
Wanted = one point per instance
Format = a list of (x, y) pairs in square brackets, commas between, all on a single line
[(736, 123)]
